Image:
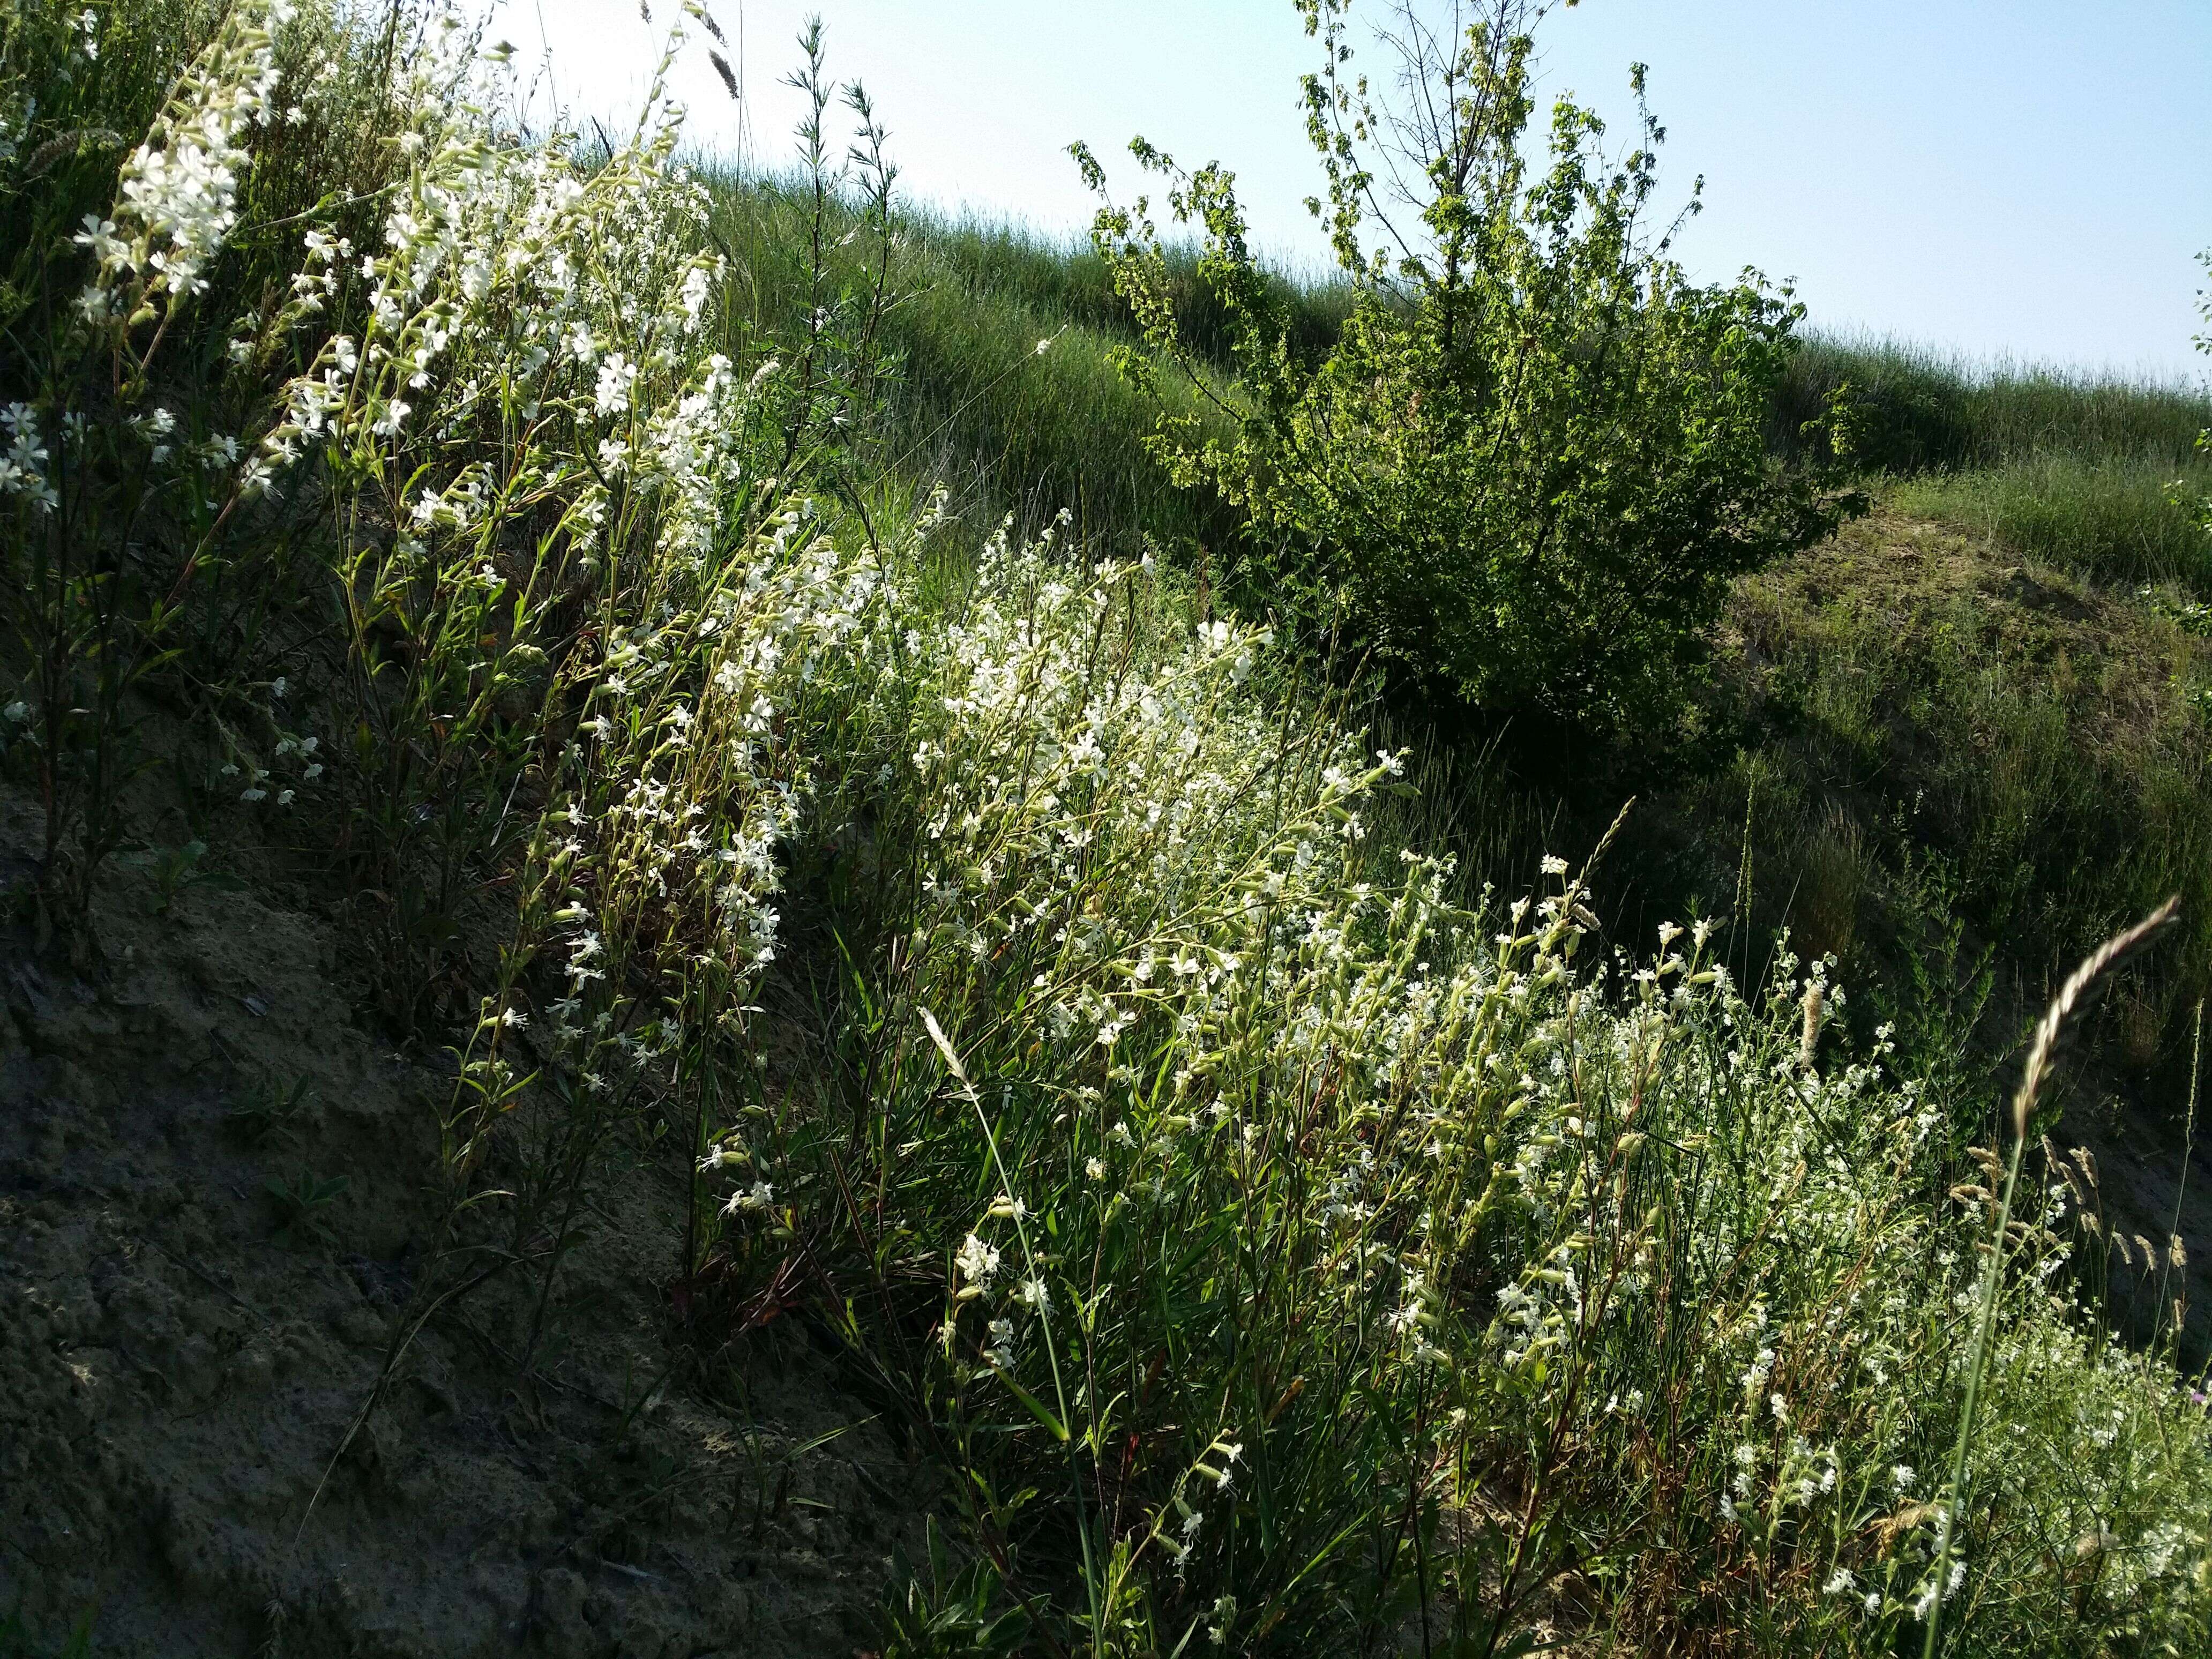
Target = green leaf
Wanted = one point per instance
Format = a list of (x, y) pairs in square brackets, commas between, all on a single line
[(1037, 1409)]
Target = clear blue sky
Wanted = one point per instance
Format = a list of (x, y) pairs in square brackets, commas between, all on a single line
[(2003, 177)]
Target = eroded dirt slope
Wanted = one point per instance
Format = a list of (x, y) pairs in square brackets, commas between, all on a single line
[(177, 1368)]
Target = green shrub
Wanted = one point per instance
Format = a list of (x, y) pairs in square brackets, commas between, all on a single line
[(1533, 460)]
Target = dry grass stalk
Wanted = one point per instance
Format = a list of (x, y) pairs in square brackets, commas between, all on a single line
[(1809, 1043), (1891, 1527), (2059, 1023), (2064, 1017)]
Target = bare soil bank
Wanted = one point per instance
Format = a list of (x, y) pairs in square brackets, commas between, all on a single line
[(178, 1367)]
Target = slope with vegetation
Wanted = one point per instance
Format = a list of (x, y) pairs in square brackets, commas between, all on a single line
[(619, 995), (2060, 490)]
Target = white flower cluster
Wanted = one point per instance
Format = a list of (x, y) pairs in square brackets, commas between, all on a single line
[(23, 465), (557, 289), (177, 197), (695, 780), (1539, 1187)]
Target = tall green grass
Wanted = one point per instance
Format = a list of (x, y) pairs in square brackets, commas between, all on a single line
[(1926, 408), (2077, 468), (1006, 384), (1067, 280), (2114, 519)]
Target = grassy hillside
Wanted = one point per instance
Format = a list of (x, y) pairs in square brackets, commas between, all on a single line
[(2059, 483), (1956, 749), (633, 1027), (974, 400), (2073, 469)]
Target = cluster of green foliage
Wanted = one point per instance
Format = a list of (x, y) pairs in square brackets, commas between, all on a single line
[(1534, 457)]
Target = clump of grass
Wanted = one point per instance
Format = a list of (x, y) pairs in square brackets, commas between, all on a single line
[(2073, 467), (2115, 519)]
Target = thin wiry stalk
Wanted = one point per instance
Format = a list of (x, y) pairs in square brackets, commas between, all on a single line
[(2181, 1186), (1065, 1426), (2058, 1026)]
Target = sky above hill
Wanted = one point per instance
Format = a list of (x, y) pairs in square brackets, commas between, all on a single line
[(2031, 180)]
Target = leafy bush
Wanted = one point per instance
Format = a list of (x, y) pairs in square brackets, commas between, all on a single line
[(1534, 458)]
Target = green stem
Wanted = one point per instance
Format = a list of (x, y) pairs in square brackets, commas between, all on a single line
[(1045, 1327), (1986, 1321), (1059, 1390)]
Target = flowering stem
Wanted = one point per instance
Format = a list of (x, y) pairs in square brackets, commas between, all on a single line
[(1983, 1323), (1044, 1328)]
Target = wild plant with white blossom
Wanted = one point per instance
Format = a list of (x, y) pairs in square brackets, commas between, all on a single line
[(587, 626), (99, 457), (177, 196), (1490, 1262)]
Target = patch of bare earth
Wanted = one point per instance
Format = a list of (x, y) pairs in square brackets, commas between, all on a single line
[(178, 1367)]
